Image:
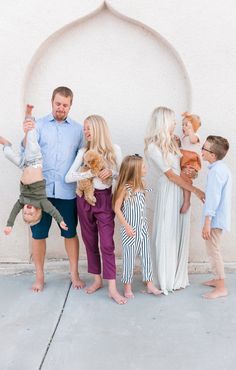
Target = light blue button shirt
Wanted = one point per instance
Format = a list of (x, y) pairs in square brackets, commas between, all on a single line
[(59, 144), (218, 195)]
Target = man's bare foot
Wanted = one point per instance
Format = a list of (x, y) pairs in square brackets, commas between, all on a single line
[(77, 283), (97, 284), (39, 284), (185, 207), (4, 141), (151, 289), (216, 293), (211, 282), (118, 298)]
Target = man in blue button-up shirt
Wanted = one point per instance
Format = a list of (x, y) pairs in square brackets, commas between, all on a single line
[(216, 210), (59, 138)]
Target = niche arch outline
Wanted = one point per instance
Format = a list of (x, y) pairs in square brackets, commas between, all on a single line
[(106, 5)]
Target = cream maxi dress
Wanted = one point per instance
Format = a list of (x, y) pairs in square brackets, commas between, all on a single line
[(170, 236)]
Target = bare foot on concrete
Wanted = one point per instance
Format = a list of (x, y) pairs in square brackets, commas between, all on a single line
[(39, 283), (216, 293), (97, 284), (151, 289), (77, 283), (117, 297), (211, 282), (128, 291)]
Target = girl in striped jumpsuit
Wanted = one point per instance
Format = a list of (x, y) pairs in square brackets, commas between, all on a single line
[(130, 207)]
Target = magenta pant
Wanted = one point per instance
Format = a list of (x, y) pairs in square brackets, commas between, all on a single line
[(97, 223)]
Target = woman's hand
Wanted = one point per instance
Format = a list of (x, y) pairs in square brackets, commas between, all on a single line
[(200, 194), (104, 174), (129, 230), (178, 141), (190, 172)]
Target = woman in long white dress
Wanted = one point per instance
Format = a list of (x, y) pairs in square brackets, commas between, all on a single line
[(170, 236)]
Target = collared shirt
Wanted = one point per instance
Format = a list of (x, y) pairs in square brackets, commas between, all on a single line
[(218, 195), (59, 142)]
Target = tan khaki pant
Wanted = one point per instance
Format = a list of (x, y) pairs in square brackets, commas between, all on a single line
[(215, 257)]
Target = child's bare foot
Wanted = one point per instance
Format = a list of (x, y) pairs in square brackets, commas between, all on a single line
[(211, 282), (216, 293), (151, 289), (39, 283), (118, 298), (97, 284), (77, 283), (129, 295), (128, 291), (4, 141), (114, 294), (185, 207)]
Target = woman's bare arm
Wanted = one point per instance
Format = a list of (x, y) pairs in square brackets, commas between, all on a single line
[(185, 185)]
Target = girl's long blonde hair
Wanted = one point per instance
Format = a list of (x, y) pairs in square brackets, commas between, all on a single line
[(131, 174), (158, 132), (101, 139)]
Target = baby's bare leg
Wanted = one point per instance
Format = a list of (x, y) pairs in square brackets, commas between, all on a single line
[(186, 193), (186, 203)]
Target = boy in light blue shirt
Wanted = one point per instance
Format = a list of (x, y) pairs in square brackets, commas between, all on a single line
[(216, 210)]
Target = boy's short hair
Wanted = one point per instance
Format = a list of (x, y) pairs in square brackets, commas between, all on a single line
[(63, 91), (219, 146)]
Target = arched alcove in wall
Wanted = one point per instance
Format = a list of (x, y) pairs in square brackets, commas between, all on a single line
[(116, 68)]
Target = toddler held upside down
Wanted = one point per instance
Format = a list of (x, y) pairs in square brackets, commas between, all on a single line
[(33, 199)]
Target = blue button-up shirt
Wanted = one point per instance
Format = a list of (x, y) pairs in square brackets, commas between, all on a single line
[(218, 195), (59, 142)]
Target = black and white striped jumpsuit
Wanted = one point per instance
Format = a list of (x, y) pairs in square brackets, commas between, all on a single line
[(134, 211)]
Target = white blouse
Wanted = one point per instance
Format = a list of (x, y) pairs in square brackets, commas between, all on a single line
[(74, 175)]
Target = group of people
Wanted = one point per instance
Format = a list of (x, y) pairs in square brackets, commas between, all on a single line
[(51, 156)]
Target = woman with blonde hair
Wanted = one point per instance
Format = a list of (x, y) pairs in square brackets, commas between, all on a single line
[(97, 222), (170, 236)]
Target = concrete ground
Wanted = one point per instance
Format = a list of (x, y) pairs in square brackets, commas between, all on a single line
[(62, 328)]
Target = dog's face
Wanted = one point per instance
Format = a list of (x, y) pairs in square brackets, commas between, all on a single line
[(93, 160)]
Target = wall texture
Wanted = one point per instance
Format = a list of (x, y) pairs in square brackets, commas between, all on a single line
[(121, 58)]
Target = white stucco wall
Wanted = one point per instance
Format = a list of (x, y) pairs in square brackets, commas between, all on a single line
[(121, 61)]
